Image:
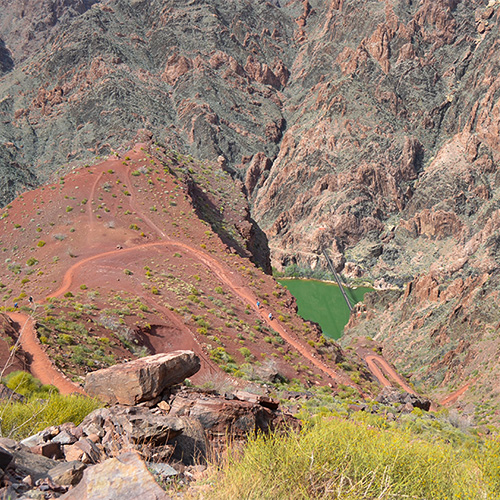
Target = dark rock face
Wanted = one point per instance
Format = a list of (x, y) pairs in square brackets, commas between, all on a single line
[(26, 25), (6, 61)]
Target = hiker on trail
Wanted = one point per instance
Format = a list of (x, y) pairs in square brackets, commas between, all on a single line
[(270, 316), (30, 299), (258, 305), (15, 305)]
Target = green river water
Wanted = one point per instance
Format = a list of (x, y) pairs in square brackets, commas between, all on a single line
[(323, 303)]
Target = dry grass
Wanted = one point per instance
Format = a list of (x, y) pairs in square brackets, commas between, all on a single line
[(345, 460)]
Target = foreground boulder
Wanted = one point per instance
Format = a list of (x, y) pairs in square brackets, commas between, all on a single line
[(141, 380), (125, 477)]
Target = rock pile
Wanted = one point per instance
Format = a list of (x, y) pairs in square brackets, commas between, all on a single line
[(170, 432), (391, 396)]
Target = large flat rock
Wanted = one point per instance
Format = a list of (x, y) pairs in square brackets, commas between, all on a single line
[(123, 478), (143, 379)]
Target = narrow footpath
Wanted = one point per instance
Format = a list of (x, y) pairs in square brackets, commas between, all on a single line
[(41, 365)]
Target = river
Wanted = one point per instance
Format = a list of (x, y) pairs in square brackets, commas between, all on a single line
[(323, 303)]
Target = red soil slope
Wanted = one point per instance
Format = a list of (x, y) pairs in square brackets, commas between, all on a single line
[(98, 228)]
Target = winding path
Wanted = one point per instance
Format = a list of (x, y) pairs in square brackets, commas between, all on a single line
[(378, 365), (225, 276), (41, 365)]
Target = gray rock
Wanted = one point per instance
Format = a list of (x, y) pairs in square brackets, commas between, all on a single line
[(64, 437), (9, 394), (191, 446), (162, 469), (68, 473), (27, 463), (122, 478), (34, 440), (143, 379)]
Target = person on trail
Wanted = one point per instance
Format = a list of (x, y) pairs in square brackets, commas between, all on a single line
[(258, 305), (15, 305), (270, 316), (30, 299)]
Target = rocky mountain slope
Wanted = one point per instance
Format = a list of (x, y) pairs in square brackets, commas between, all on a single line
[(367, 128), (144, 253)]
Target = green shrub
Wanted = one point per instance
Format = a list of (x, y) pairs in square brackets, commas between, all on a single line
[(40, 244), (20, 420), (245, 352), (65, 339), (31, 261), (24, 383), (340, 459)]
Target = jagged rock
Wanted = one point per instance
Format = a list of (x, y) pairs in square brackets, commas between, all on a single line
[(68, 473), (122, 478), (34, 440), (49, 450), (391, 395), (83, 450), (224, 418), (9, 394), (27, 463), (65, 437), (132, 428), (143, 379), (257, 399), (191, 446)]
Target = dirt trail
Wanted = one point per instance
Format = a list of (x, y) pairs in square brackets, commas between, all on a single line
[(378, 364), (451, 398), (41, 366), (243, 293)]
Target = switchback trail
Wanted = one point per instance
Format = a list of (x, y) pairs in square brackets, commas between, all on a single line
[(378, 365), (224, 275), (41, 366)]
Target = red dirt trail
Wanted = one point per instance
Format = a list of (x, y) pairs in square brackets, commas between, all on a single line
[(378, 365), (41, 366), (224, 275), (451, 398)]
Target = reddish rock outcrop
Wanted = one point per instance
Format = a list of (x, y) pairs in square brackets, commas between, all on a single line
[(142, 380)]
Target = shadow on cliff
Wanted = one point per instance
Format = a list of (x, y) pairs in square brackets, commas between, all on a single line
[(256, 249), (6, 61)]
